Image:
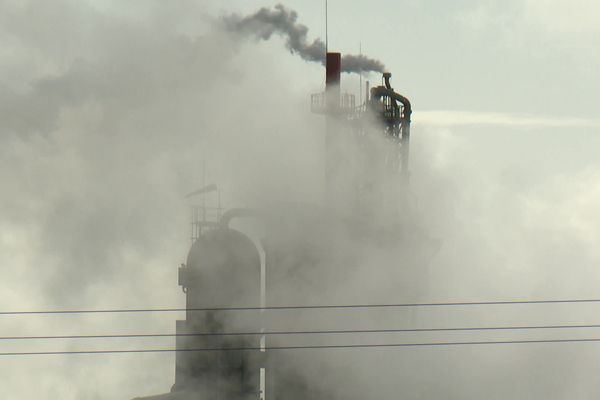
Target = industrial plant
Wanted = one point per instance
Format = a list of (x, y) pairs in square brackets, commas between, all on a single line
[(367, 174), (299, 200)]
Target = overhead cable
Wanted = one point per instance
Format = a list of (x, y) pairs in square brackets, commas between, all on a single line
[(300, 307), (318, 347), (314, 332)]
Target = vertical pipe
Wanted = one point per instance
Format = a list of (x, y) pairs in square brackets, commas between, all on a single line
[(263, 304), (405, 143), (263, 384), (333, 71), (333, 75), (203, 197)]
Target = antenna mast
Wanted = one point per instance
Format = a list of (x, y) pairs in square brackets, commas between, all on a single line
[(360, 74), (326, 29)]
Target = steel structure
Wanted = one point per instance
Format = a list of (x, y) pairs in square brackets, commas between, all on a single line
[(367, 144), (383, 109), (224, 267)]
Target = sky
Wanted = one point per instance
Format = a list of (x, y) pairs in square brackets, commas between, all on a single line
[(512, 57), (110, 109)]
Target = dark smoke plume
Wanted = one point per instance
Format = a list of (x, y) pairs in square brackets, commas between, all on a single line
[(282, 21)]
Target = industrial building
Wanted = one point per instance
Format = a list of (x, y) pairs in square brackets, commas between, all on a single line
[(226, 268)]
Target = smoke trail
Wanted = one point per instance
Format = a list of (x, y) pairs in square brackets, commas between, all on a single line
[(282, 21)]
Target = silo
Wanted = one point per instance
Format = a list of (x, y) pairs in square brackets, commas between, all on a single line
[(222, 270)]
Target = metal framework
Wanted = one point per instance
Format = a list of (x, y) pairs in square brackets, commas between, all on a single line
[(354, 133)]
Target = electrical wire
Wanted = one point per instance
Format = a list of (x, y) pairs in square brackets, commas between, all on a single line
[(319, 347), (306, 307), (315, 332)]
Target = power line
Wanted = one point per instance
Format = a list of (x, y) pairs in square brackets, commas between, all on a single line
[(319, 347), (315, 332), (307, 307)]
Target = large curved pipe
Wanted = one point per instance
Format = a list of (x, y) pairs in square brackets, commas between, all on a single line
[(386, 78), (380, 91), (206, 189), (237, 213), (387, 91)]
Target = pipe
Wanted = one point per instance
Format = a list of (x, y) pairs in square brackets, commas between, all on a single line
[(237, 213), (206, 189), (333, 76), (386, 78), (376, 94), (333, 69), (380, 91)]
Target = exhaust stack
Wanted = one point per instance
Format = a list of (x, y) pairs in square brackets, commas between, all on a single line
[(333, 74)]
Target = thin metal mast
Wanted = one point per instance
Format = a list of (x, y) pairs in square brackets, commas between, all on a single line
[(360, 74), (326, 29)]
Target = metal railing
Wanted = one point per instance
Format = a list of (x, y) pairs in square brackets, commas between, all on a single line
[(320, 105), (204, 219)]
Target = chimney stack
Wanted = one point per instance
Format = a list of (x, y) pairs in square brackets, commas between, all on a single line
[(333, 72)]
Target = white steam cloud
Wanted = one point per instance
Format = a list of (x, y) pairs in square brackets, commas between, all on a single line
[(282, 21), (105, 123)]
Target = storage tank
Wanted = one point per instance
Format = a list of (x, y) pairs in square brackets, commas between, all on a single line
[(222, 270)]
